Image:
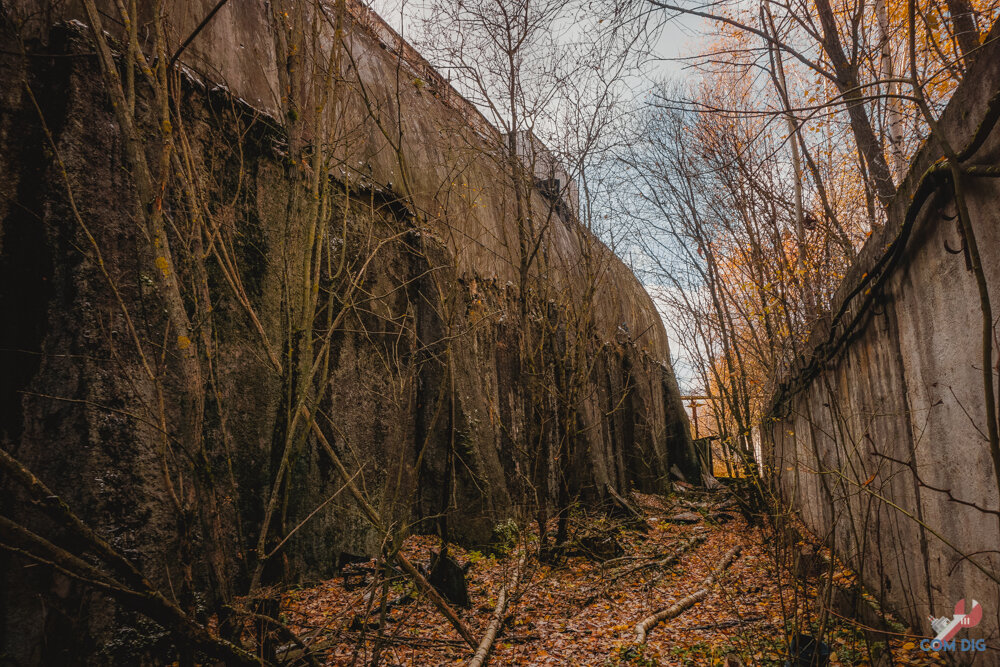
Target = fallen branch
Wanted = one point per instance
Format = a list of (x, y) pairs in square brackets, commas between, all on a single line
[(483, 650), (660, 563), (285, 632), (669, 560), (150, 602), (125, 583), (634, 513), (643, 627), (428, 641), (408, 641)]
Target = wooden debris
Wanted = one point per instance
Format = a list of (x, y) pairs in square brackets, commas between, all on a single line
[(643, 627), (483, 650), (546, 622), (623, 504), (448, 578)]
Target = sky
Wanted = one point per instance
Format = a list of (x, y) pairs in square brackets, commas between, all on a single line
[(680, 37)]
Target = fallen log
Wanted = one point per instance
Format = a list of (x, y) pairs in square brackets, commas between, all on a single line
[(643, 627), (483, 650)]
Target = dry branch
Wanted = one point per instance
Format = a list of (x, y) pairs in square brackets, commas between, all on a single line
[(645, 625), (657, 563), (479, 659), (125, 583), (625, 505), (17, 539), (285, 632)]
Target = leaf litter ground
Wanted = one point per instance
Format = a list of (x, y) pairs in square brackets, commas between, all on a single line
[(580, 610)]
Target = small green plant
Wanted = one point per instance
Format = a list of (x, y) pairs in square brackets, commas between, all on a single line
[(851, 655), (632, 654), (505, 536)]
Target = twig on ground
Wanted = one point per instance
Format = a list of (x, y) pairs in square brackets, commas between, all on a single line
[(661, 563)]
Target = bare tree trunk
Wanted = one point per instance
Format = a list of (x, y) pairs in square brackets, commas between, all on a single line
[(849, 87), (963, 18), (800, 229), (894, 114)]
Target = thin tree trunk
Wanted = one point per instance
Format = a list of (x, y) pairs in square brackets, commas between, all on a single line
[(963, 18), (894, 114), (848, 85), (800, 228)]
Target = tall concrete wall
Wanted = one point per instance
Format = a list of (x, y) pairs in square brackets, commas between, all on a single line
[(877, 436), (430, 432), (445, 138)]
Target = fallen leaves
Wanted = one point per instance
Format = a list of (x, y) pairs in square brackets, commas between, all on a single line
[(579, 611)]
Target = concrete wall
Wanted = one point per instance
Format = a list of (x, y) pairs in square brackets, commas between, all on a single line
[(429, 434), (445, 138), (877, 433)]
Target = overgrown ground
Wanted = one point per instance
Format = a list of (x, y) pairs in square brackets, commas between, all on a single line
[(582, 608)]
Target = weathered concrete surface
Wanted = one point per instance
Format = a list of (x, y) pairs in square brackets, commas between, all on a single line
[(869, 443), (442, 136), (429, 434)]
